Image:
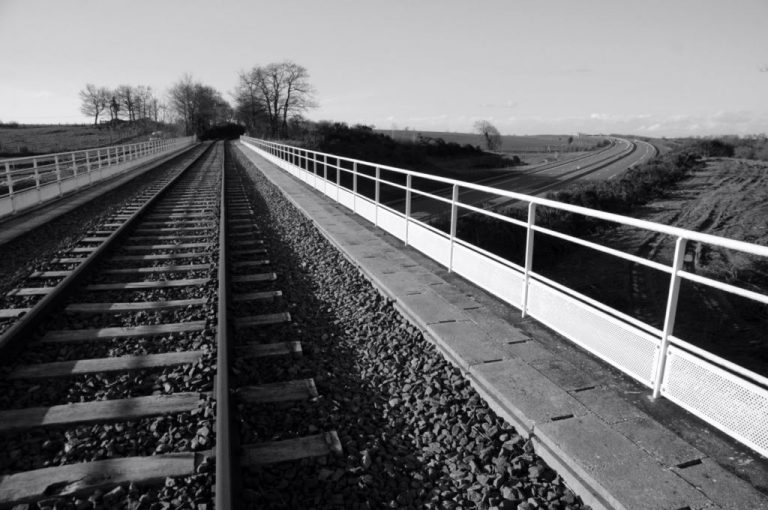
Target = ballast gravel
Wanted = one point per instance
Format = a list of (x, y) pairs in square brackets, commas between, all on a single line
[(35, 250), (414, 433)]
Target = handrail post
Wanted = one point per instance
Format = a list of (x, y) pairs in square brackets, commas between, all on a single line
[(58, 174), (338, 177), (529, 237), (325, 172), (74, 167), (37, 180), (408, 184), (314, 167), (454, 220), (354, 186), (670, 314), (9, 180), (377, 196), (88, 168)]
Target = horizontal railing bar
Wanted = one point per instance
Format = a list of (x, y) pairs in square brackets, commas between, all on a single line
[(593, 213), (605, 249), (727, 287), (492, 214), (486, 253), (647, 328), (722, 362), (431, 196), (91, 150)]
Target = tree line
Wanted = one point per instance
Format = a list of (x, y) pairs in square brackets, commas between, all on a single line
[(125, 102), (268, 97), (267, 100)]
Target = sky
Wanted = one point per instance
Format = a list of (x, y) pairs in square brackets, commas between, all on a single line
[(644, 67)]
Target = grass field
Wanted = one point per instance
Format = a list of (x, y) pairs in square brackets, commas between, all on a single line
[(30, 140), (509, 143), (531, 149)]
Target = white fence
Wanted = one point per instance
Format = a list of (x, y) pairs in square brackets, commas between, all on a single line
[(728, 396), (30, 181)]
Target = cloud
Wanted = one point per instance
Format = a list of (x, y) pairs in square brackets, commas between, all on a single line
[(37, 94), (672, 125), (576, 70), (509, 105)]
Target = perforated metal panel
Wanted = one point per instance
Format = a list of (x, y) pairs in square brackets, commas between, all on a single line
[(429, 243), (346, 197), (732, 404), (365, 208), (503, 281), (622, 345), (392, 223), (6, 206)]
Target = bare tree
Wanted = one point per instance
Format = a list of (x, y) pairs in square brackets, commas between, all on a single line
[(94, 101), (299, 94), (489, 132), (199, 106), (249, 101), (127, 98), (277, 90), (114, 108), (181, 98)]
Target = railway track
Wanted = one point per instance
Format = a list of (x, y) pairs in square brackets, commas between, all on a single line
[(116, 386), (205, 357)]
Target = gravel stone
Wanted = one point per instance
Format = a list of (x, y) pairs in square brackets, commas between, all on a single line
[(414, 432)]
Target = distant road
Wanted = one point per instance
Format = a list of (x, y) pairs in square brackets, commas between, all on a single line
[(605, 164)]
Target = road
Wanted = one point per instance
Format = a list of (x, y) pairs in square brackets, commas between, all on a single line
[(608, 163)]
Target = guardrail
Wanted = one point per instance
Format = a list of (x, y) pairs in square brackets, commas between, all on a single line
[(728, 396), (30, 181)]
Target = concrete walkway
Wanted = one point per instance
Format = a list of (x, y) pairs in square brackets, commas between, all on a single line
[(13, 226), (598, 429)]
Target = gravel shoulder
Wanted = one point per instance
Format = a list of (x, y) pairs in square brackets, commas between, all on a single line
[(414, 432)]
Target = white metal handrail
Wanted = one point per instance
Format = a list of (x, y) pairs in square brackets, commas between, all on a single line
[(652, 356), (29, 181)]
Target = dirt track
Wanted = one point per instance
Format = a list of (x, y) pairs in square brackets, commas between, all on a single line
[(728, 198)]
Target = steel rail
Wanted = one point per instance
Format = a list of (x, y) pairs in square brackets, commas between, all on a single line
[(225, 437), (10, 340)]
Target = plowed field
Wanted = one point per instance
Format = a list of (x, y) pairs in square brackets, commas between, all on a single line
[(728, 198)]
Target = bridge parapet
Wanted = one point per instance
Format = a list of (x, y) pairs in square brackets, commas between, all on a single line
[(30, 181), (730, 397)]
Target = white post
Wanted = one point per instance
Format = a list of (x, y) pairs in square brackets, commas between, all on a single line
[(408, 182), (528, 256), (314, 167), (354, 186), (669, 316), (37, 179), (58, 174), (377, 196), (454, 220), (88, 168), (325, 173), (338, 177), (9, 180), (74, 167)]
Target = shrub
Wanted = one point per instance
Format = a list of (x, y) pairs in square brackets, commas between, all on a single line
[(715, 148)]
